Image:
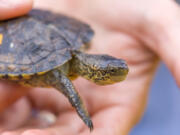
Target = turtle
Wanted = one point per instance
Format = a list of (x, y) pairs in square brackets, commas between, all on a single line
[(47, 49)]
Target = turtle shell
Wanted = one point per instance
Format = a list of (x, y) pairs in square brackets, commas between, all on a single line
[(39, 42)]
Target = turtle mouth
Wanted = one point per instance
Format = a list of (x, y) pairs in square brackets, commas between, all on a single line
[(120, 75), (118, 78), (107, 82)]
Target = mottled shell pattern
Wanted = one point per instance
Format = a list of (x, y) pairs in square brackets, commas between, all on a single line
[(39, 42)]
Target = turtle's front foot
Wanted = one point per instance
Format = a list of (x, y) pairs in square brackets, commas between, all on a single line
[(59, 81)]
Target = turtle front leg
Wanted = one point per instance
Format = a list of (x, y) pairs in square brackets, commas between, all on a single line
[(59, 81)]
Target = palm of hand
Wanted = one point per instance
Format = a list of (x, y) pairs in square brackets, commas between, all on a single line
[(114, 109)]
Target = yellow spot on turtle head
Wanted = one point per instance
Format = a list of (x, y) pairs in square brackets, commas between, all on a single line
[(1, 38)]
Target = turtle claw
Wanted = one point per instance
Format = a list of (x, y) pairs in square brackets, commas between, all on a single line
[(89, 123)]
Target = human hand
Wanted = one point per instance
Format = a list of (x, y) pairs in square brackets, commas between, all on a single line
[(14, 8), (136, 32)]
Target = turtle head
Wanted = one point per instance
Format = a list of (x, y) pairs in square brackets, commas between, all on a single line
[(101, 69), (110, 70)]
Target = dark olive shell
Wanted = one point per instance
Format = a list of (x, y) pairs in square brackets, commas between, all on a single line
[(40, 41)]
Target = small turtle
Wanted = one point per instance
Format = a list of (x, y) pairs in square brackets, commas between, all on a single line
[(44, 49)]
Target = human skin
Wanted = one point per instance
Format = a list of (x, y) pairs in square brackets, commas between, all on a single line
[(141, 32)]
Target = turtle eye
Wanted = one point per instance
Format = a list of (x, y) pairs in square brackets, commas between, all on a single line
[(113, 70)]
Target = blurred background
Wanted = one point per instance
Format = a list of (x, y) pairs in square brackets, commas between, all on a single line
[(162, 115)]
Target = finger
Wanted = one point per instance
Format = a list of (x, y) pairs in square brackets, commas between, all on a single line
[(67, 123), (9, 93), (49, 99), (14, 8), (16, 115), (10, 133), (27, 132), (113, 121), (165, 41)]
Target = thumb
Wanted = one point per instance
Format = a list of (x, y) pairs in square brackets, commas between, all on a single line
[(165, 39), (14, 8), (169, 49)]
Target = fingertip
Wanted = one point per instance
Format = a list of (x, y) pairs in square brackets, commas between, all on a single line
[(14, 8)]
